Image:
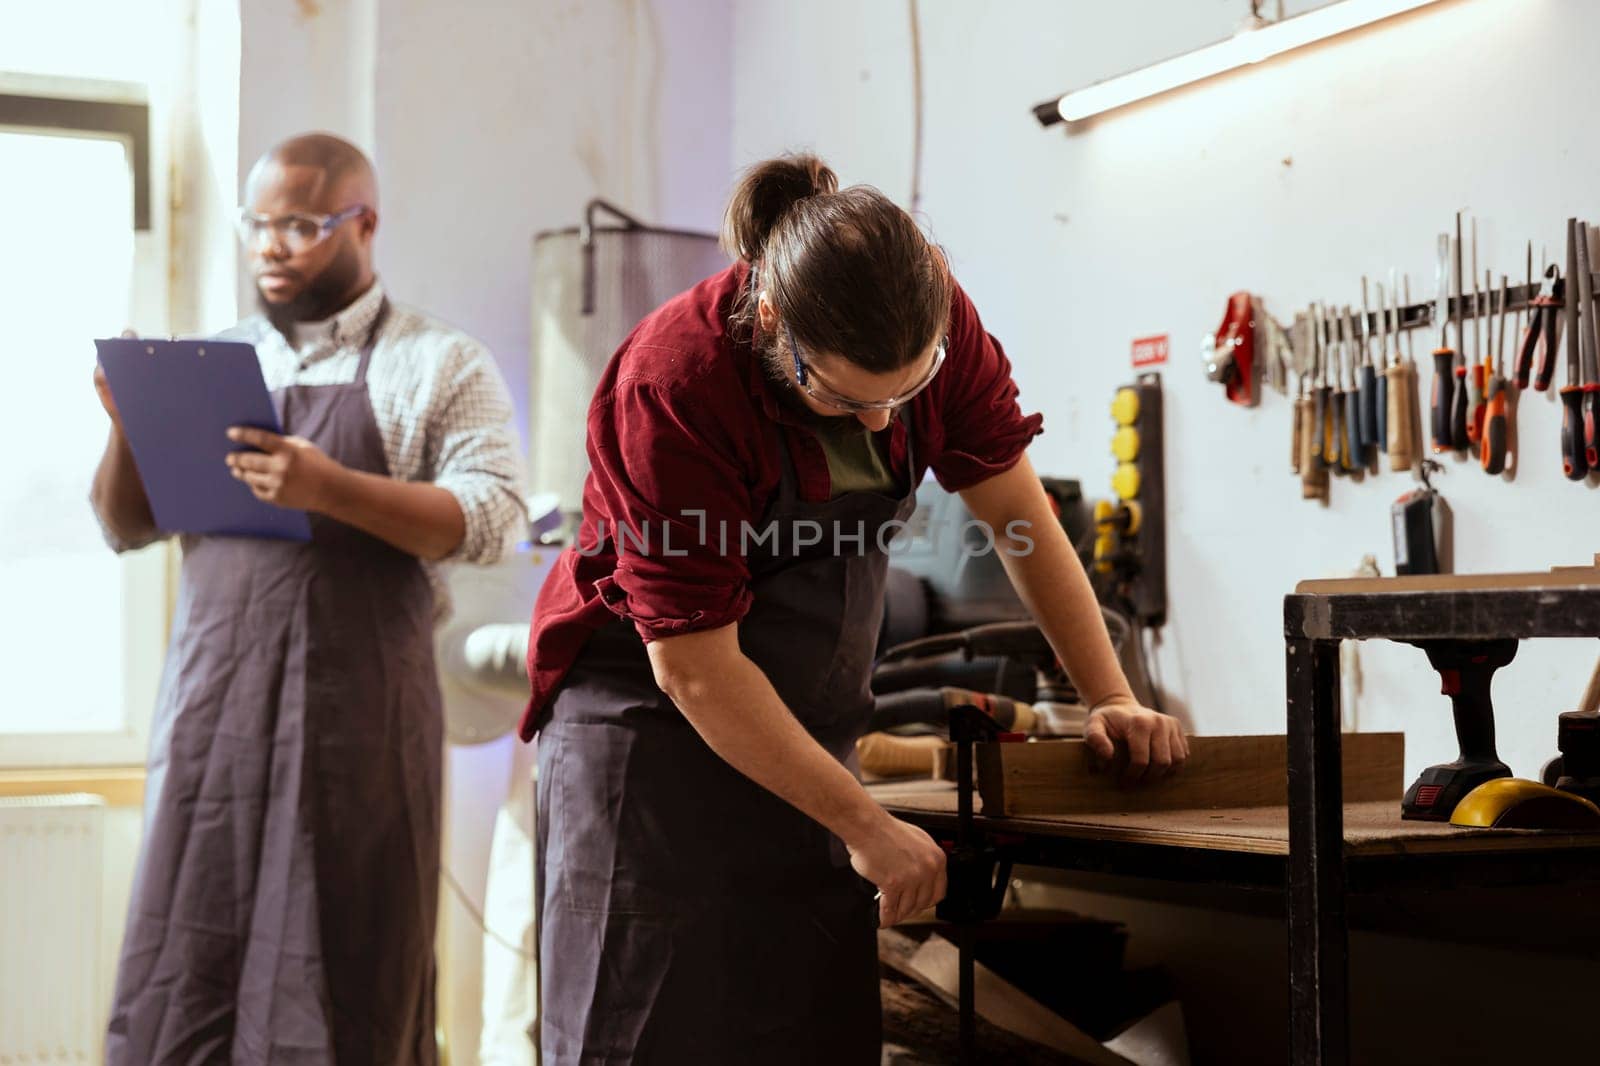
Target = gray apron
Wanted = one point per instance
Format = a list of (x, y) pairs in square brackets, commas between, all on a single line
[(283, 907), (686, 914)]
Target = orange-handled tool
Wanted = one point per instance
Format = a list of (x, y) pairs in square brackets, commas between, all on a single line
[(1493, 448)]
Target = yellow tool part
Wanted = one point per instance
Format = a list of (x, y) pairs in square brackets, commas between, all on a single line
[(1125, 482), (1125, 445), (1123, 517), (1104, 546), (1512, 803), (1125, 407)]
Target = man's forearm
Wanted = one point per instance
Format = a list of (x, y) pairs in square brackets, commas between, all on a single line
[(117, 494), (1050, 579), (733, 706), (418, 518), (1052, 584)]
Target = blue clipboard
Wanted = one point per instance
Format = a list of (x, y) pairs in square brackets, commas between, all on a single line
[(177, 400)]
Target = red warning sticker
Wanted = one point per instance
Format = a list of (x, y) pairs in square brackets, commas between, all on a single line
[(1150, 351)]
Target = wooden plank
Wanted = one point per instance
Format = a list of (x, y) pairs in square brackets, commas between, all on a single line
[(1371, 828), (1056, 776), (1561, 577)]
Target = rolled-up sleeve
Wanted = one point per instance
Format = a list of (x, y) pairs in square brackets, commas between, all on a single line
[(674, 496), (476, 455), (984, 431)]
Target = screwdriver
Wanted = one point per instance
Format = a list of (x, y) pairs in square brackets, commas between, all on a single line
[(1469, 369), (1574, 457), (1493, 452), (1591, 355), (1458, 399), (1321, 443), (1354, 455), (1529, 337), (1402, 379), (1413, 382), (1313, 476), (1298, 406), (1380, 378), (1367, 385), (1333, 446), (1444, 356), (1480, 412)]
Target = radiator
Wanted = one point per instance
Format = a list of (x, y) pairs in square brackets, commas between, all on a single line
[(51, 854)]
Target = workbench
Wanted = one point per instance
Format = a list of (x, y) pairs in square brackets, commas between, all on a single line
[(1317, 852), (1322, 868)]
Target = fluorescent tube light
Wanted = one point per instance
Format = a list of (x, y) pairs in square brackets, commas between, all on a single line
[(1249, 45)]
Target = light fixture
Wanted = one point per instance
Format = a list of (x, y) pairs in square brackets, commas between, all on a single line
[(1257, 39)]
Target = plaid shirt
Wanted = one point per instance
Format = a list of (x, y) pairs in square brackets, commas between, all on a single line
[(441, 405)]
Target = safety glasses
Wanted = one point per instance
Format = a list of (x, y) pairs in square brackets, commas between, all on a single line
[(297, 233), (806, 378)]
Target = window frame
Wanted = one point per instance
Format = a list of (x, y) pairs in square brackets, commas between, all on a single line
[(95, 108)]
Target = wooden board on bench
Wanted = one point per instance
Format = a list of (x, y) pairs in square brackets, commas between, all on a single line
[(1556, 577), (1057, 777)]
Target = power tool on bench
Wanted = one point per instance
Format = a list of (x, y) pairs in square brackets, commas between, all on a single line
[(1466, 669), (1478, 790), (1577, 768)]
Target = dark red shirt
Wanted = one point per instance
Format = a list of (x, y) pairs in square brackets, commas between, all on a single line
[(683, 443)]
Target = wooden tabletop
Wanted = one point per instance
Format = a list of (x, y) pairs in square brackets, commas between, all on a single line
[(1370, 829)]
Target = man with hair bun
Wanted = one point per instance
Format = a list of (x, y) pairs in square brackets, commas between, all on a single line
[(710, 869)]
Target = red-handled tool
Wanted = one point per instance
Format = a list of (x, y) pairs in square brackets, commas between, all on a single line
[(1591, 354), (1552, 312), (1473, 367), (1460, 400), (1574, 456)]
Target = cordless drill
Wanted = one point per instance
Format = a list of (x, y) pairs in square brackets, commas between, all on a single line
[(1466, 669)]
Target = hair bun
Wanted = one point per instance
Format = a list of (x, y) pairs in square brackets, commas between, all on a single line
[(766, 193)]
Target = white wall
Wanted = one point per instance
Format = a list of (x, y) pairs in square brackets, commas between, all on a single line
[(501, 118), (1290, 180)]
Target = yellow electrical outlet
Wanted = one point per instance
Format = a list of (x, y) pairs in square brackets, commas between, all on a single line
[(1125, 445), (1125, 407), (1125, 482)]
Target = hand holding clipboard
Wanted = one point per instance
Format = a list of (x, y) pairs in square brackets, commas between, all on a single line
[(176, 402)]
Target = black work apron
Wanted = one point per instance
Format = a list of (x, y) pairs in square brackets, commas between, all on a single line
[(686, 914), (284, 903)]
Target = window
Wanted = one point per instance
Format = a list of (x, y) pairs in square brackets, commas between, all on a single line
[(82, 630)]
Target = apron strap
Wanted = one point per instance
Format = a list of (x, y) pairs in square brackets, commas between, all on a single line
[(372, 341)]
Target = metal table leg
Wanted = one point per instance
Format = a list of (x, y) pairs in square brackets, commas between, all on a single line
[(1319, 1024)]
